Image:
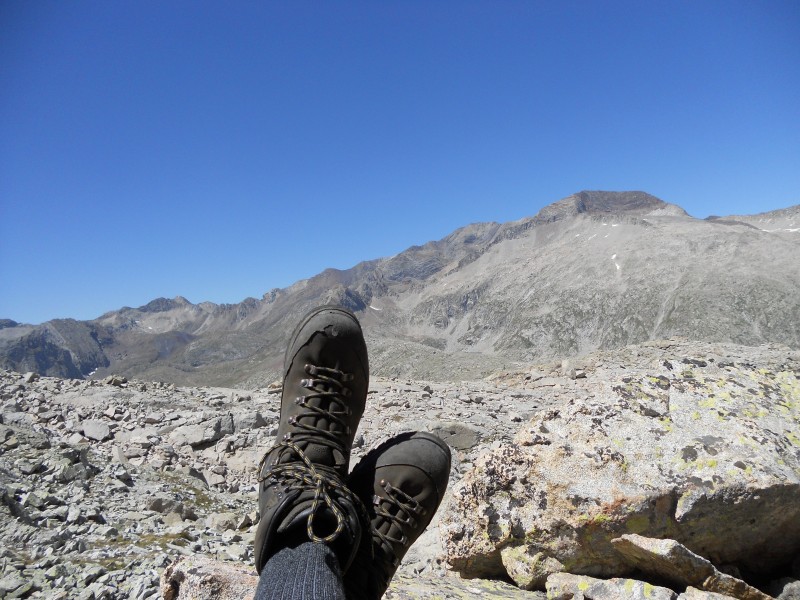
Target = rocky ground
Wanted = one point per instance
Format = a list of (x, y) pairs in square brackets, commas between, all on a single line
[(106, 483)]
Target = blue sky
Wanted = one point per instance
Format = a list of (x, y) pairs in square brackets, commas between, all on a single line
[(216, 150)]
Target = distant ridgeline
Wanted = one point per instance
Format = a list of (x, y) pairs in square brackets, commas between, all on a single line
[(596, 270)]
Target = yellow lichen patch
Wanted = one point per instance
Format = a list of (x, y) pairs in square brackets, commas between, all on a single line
[(707, 403), (790, 388), (746, 441), (793, 439), (629, 585), (754, 411)]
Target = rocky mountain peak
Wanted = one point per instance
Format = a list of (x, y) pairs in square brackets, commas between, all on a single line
[(164, 304), (602, 202)]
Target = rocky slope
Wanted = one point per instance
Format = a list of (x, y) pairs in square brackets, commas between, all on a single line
[(105, 484), (595, 270)]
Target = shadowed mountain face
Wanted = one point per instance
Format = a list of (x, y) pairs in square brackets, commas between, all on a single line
[(594, 270)]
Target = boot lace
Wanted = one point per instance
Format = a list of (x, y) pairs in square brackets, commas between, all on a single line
[(295, 470), (396, 508)]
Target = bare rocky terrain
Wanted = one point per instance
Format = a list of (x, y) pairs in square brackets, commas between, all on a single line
[(596, 270), (108, 484)]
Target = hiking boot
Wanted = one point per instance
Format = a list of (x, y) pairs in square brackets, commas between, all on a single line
[(401, 483), (301, 492)]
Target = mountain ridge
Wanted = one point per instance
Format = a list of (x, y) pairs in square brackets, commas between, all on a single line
[(594, 270)]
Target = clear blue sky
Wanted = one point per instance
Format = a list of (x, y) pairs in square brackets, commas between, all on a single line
[(216, 150)]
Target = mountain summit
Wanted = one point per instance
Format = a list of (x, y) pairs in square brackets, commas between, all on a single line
[(598, 203), (595, 270)]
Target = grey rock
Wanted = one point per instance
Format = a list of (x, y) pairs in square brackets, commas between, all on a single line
[(665, 558), (249, 420), (222, 521), (17, 419), (11, 583), (166, 505), (458, 435), (203, 433), (116, 380), (155, 417), (96, 430)]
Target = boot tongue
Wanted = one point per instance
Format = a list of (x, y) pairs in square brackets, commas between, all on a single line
[(324, 456), (296, 521)]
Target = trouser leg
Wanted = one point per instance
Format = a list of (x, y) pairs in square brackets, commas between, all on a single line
[(309, 571)]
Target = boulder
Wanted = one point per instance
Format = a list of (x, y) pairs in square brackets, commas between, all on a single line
[(96, 430), (707, 455), (204, 433), (166, 505), (249, 420)]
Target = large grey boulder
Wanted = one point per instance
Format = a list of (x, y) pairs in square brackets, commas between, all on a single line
[(203, 433), (699, 450), (95, 429)]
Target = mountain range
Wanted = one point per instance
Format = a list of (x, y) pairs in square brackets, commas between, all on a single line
[(596, 270)]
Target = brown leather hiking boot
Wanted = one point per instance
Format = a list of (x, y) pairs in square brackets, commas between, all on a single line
[(401, 483), (302, 496)]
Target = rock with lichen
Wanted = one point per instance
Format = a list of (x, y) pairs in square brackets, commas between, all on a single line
[(700, 449)]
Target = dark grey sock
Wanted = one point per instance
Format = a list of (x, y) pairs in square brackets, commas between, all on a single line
[(309, 571)]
